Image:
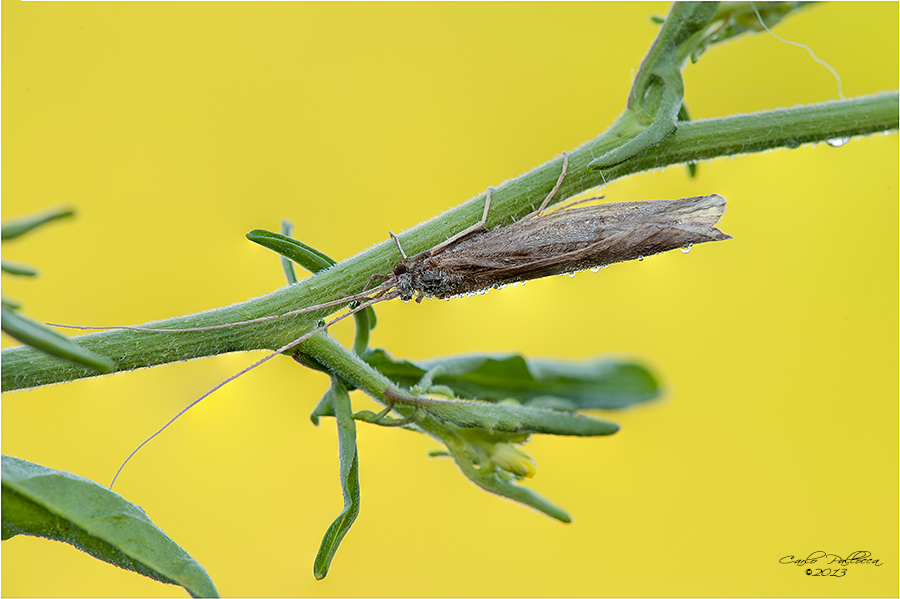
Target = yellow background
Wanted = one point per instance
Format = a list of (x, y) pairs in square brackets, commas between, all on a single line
[(176, 128)]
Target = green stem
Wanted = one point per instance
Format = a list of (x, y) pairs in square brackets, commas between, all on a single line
[(696, 140)]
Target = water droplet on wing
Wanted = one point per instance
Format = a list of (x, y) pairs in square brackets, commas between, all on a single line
[(837, 142)]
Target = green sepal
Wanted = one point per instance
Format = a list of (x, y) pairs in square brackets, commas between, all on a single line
[(16, 227), (349, 460), (61, 506), (50, 342)]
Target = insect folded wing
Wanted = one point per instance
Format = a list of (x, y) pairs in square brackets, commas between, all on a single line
[(572, 239)]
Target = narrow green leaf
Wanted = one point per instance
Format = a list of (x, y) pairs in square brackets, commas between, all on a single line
[(524, 495), (349, 458), (602, 383), (679, 35), (309, 258), (50, 342), (325, 407), (18, 268), (671, 90), (518, 419), (314, 261), (658, 89), (17, 227), (373, 322), (656, 96), (472, 452), (61, 506), (11, 303), (286, 263), (363, 327)]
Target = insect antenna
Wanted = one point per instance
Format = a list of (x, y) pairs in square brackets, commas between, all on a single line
[(380, 298), (574, 203), (377, 291)]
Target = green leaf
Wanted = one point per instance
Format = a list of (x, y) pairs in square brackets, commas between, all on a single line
[(658, 90), (50, 342), (17, 227), (31, 332), (286, 263), (11, 303), (505, 418), (61, 506), (604, 383), (507, 488), (314, 261), (325, 407), (349, 479), (17, 268), (474, 451), (309, 258)]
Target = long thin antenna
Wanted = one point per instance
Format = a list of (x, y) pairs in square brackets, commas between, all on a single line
[(351, 298), (280, 350), (805, 47)]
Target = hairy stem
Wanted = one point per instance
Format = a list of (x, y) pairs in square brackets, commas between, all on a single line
[(24, 367)]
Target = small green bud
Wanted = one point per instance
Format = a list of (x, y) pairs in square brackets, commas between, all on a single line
[(510, 458)]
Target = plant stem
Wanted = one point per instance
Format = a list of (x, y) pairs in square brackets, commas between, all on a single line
[(24, 367)]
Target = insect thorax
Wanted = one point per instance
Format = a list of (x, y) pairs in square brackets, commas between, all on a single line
[(424, 282)]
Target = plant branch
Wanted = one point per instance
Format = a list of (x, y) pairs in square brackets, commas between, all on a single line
[(24, 367)]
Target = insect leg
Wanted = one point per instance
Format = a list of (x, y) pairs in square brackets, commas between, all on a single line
[(479, 225), (553, 191), (445, 243), (375, 278), (399, 247)]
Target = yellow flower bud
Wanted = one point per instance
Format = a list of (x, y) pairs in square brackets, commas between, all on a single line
[(512, 459)]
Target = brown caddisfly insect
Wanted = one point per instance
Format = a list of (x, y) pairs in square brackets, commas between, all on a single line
[(566, 240)]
